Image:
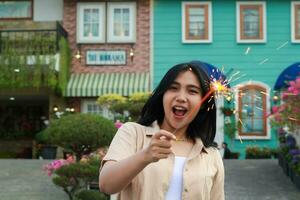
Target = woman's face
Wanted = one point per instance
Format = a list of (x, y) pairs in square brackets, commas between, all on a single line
[(180, 100)]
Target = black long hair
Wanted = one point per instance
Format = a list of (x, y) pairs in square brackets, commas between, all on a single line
[(204, 124)]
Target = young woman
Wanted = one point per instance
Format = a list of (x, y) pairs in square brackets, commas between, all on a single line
[(168, 154)]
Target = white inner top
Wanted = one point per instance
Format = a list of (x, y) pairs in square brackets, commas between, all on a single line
[(175, 187)]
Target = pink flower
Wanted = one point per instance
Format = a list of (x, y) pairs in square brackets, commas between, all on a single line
[(56, 164), (118, 124), (278, 118), (274, 109)]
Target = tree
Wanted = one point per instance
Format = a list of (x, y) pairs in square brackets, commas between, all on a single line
[(80, 133)]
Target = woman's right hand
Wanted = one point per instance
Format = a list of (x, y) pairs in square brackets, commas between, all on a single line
[(159, 147)]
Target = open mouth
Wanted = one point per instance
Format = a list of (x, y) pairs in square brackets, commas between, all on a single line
[(179, 111)]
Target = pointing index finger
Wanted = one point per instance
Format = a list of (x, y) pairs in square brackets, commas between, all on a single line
[(165, 135)]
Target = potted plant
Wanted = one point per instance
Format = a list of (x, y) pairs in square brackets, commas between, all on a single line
[(227, 111), (44, 148), (296, 174)]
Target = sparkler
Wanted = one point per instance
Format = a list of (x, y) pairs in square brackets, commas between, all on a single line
[(217, 86)]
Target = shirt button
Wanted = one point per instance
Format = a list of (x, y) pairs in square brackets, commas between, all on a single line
[(165, 187), (186, 169), (185, 189)]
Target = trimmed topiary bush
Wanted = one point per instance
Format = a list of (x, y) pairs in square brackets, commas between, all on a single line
[(80, 133)]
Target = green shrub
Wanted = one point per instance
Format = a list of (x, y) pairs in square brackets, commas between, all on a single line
[(76, 177), (255, 152), (41, 137), (275, 152), (139, 97), (118, 104), (7, 154), (80, 133), (230, 129), (110, 99)]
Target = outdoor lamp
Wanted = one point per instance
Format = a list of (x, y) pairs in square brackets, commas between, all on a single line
[(55, 108), (131, 54), (78, 52), (275, 97), (78, 55)]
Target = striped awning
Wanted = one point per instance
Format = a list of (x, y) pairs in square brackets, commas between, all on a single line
[(97, 84)]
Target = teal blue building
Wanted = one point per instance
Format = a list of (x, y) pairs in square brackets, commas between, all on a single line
[(253, 41)]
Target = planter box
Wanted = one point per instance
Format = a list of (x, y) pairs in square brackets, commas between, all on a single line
[(18, 148), (296, 179), (285, 167), (280, 160), (49, 152), (291, 172)]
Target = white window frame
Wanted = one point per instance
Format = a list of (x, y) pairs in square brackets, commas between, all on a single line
[(104, 112), (268, 126), (183, 17), (80, 37), (293, 28), (238, 22), (132, 19)]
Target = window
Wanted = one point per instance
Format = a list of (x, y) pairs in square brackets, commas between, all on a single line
[(121, 22), (16, 9), (90, 22), (196, 22), (252, 109), (90, 106), (251, 22), (295, 19)]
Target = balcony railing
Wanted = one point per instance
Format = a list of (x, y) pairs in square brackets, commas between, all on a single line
[(32, 58), (30, 41)]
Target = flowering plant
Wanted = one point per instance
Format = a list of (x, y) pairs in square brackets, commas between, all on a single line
[(76, 176), (288, 113), (56, 164)]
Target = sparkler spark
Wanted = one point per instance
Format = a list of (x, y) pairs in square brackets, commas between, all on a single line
[(264, 93), (265, 60), (241, 141), (241, 122), (293, 119), (282, 45), (247, 50), (258, 108)]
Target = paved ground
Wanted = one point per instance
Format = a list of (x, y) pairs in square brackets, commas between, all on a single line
[(25, 180), (257, 180), (245, 180)]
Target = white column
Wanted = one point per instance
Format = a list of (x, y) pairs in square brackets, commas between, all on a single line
[(220, 123)]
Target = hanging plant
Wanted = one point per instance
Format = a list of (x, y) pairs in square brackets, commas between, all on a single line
[(30, 61), (227, 111), (64, 64)]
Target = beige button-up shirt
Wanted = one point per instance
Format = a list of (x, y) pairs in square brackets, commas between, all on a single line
[(203, 175)]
